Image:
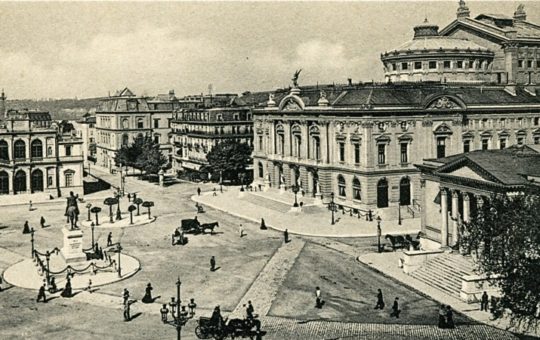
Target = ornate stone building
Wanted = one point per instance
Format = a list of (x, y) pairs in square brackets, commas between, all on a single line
[(491, 47), (124, 117), (197, 129), (36, 157)]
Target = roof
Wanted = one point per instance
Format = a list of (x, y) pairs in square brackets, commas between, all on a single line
[(500, 27), (437, 43), (508, 166)]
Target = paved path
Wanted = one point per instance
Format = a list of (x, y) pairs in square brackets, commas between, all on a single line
[(264, 289)]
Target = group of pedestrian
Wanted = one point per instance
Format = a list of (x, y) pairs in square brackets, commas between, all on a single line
[(446, 317), (395, 306)]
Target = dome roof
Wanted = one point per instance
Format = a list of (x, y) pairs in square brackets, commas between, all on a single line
[(438, 42)]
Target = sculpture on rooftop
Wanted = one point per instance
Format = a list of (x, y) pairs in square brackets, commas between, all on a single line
[(295, 77)]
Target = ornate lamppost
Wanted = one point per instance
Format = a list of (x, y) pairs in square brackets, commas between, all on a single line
[(399, 212), (118, 213), (295, 188), (379, 232), (48, 259), (32, 231), (92, 226), (332, 207), (179, 313)]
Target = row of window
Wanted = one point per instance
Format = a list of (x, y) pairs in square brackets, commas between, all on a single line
[(19, 150), (529, 63), (446, 64), (487, 123), (503, 143), (36, 181)]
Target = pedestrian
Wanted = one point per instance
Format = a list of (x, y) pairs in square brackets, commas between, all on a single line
[(41, 294), (129, 197), (127, 317), (241, 231), (318, 298), (42, 222), (53, 287), (199, 191), (286, 235), (395, 308), (30, 206), (263, 224), (250, 311), (26, 229), (221, 188), (380, 301), (212, 264), (147, 298), (442, 316), (0, 283), (164, 311), (484, 302), (449, 318), (89, 288), (67, 289), (215, 193), (126, 295), (109, 239)]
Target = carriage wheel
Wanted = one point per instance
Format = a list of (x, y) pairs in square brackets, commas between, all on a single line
[(219, 335), (199, 333)]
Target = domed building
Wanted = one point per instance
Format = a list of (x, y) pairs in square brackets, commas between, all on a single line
[(432, 57)]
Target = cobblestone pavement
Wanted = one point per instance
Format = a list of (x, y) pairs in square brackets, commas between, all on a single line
[(265, 287), (282, 328)]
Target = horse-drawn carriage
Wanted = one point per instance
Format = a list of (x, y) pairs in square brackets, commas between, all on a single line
[(193, 226), (207, 329), (400, 241)]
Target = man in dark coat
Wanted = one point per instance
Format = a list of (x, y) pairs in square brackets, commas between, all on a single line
[(199, 191), (42, 222), (395, 309), (380, 301), (286, 235), (484, 302), (212, 264), (109, 239), (41, 294), (26, 229)]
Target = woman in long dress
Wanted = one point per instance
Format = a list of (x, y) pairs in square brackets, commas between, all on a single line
[(442, 316), (148, 295), (449, 317), (67, 289)]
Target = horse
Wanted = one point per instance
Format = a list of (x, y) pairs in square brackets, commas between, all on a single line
[(414, 243), (72, 216), (243, 327), (210, 226), (396, 241)]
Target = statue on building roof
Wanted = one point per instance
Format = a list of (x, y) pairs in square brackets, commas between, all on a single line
[(295, 77)]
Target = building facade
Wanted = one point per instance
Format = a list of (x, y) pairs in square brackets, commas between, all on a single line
[(86, 130), (36, 157), (125, 117), (197, 130), (453, 187), (494, 48)]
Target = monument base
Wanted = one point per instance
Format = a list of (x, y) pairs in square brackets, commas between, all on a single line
[(72, 252)]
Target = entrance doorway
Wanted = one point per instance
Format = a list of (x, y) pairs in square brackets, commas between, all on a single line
[(382, 193), (405, 191)]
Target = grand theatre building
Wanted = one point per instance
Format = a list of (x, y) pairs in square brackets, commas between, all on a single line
[(470, 86)]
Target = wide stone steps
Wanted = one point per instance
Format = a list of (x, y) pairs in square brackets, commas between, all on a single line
[(444, 272)]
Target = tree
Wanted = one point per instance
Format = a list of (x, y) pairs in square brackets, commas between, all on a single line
[(505, 229), (229, 158), (151, 160), (131, 209), (96, 210), (148, 204), (110, 201), (138, 201)]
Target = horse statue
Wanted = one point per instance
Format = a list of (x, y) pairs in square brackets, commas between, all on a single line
[(72, 210), (210, 226)]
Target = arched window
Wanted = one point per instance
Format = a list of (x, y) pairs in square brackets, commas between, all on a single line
[(140, 139), (341, 186), (37, 148), (4, 150), (357, 189), (316, 142), (4, 182), (37, 180), (125, 140), (405, 191), (261, 170), (19, 182), (20, 149), (382, 193)]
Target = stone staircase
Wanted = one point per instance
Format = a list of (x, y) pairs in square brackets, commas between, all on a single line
[(444, 272)]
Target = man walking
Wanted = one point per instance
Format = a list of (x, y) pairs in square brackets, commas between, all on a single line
[(198, 191), (212, 264), (109, 239), (484, 302), (126, 295), (41, 294), (395, 309), (380, 301), (42, 222), (318, 299), (127, 316), (286, 235), (241, 231)]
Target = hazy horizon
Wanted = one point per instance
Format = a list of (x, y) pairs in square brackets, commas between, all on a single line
[(88, 49)]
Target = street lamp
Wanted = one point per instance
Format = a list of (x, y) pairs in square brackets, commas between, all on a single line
[(179, 314), (295, 188), (89, 206), (332, 207), (119, 248), (48, 258), (379, 232), (118, 213), (32, 231), (399, 212), (92, 226)]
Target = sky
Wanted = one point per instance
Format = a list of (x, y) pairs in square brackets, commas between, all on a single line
[(88, 49)]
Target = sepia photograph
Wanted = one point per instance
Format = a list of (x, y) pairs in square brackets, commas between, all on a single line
[(277, 170)]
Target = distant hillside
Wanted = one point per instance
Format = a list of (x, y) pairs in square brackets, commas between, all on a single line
[(60, 109)]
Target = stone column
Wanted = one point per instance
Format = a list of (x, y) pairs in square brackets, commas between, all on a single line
[(444, 218), (466, 208), (455, 213)]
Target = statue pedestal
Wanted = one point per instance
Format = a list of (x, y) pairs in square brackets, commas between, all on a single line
[(282, 188), (73, 246)]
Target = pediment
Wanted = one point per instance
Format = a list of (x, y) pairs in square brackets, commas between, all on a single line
[(444, 103), (291, 103), (468, 173)]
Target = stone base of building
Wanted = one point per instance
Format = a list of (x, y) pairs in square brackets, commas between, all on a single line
[(473, 286)]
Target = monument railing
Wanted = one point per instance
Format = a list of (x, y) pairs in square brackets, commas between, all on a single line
[(69, 269)]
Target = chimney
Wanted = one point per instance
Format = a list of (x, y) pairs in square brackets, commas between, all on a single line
[(3, 98), (350, 81)]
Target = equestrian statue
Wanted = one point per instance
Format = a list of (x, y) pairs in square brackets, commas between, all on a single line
[(72, 210)]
